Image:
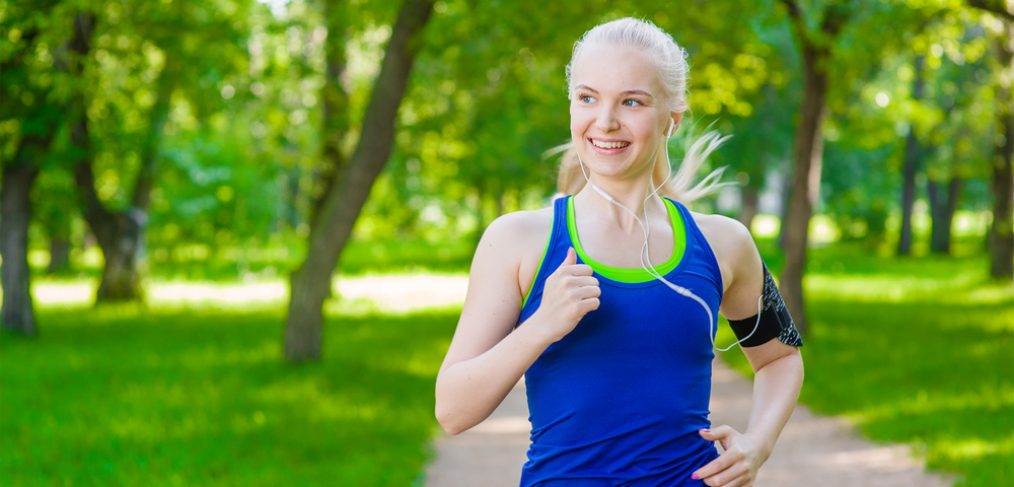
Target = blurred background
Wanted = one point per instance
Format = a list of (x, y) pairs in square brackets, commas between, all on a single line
[(235, 235)]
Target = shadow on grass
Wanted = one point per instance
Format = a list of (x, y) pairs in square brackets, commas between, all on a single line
[(121, 395), (914, 350), (931, 372)]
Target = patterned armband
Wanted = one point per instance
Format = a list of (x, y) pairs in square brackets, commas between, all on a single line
[(775, 321)]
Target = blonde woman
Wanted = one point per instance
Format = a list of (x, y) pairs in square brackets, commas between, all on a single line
[(607, 300)]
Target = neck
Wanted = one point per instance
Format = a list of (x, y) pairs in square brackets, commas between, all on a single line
[(631, 194)]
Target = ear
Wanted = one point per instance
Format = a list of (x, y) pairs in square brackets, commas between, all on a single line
[(674, 124), (677, 118)]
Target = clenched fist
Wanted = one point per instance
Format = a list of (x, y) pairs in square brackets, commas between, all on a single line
[(570, 293)]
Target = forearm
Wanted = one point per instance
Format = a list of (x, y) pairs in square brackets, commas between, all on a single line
[(775, 393), (467, 392)]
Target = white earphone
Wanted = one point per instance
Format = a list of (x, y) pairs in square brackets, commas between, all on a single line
[(646, 255)]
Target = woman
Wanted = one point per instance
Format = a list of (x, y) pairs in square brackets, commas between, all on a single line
[(616, 348)]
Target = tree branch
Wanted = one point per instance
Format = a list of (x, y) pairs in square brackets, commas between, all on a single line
[(995, 7)]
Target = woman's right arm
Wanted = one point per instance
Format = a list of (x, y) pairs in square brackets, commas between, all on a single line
[(486, 358)]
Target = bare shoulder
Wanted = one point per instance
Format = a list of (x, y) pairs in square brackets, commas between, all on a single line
[(729, 239), (493, 301), (527, 232), (521, 237), (523, 229)]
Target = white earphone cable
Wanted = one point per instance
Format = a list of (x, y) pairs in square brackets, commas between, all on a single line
[(645, 256)]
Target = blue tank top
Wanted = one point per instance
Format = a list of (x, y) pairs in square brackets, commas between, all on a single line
[(620, 399)]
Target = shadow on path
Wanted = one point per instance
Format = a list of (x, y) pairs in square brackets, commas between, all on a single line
[(812, 450)]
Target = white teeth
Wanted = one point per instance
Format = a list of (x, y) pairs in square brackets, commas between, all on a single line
[(609, 145)]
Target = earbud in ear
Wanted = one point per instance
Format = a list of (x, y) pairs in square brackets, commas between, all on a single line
[(672, 126)]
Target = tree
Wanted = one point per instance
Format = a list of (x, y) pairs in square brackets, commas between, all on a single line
[(1002, 181), (1001, 231), (38, 129), (808, 152), (311, 283), (154, 52), (913, 156)]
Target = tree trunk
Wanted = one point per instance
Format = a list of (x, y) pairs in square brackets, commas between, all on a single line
[(17, 313), (808, 154), (59, 255), (942, 208), (335, 120), (311, 283), (805, 184), (784, 200), (1001, 235), (750, 197), (910, 167), (120, 234)]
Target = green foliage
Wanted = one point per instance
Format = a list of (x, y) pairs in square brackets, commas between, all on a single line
[(247, 82), (200, 396)]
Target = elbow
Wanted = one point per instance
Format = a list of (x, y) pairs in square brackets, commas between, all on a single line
[(447, 417), (447, 421)]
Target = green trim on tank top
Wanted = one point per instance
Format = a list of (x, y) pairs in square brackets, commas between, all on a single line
[(538, 269), (635, 275)]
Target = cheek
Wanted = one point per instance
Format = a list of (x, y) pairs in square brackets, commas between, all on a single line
[(647, 127), (579, 120)]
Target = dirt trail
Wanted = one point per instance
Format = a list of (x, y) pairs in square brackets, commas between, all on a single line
[(812, 450)]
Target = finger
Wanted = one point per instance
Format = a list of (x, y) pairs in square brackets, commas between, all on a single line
[(590, 304), (724, 461), (587, 292), (717, 433), (734, 475), (580, 281), (583, 281), (742, 481), (580, 270)]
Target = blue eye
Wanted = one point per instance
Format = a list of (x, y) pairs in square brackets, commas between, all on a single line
[(586, 99), (630, 102)]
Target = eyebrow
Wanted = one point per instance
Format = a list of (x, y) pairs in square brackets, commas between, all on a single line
[(626, 92)]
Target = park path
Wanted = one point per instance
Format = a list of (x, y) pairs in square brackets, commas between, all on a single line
[(812, 450)]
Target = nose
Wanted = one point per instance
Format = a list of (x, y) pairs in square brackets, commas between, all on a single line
[(605, 119)]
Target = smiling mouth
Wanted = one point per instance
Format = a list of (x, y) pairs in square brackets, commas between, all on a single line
[(602, 144)]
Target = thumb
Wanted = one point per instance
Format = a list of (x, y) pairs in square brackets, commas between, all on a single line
[(571, 258), (715, 434)]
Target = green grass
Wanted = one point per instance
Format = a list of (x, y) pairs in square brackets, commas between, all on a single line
[(915, 350), (185, 392), (175, 396)]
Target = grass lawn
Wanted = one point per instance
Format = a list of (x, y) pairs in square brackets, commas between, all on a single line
[(199, 396), (914, 350)]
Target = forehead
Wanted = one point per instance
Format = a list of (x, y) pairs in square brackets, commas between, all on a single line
[(610, 68)]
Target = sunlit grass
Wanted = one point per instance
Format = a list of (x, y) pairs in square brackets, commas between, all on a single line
[(199, 395), (914, 350), (189, 389)]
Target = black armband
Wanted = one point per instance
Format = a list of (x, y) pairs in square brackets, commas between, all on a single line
[(775, 321)]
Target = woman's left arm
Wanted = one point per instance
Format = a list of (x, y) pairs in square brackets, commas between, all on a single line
[(778, 371)]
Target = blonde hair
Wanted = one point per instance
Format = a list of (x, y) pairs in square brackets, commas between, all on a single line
[(671, 61)]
